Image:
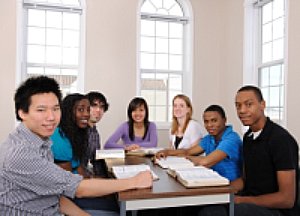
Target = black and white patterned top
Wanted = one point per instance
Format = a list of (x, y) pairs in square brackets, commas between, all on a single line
[(30, 182)]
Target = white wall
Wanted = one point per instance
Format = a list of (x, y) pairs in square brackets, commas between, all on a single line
[(111, 35), (293, 75), (8, 65)]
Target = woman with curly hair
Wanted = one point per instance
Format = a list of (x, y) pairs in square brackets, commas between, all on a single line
[(70, 139)]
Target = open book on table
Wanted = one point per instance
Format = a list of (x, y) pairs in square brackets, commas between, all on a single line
[(197, 176), (110, 153), (144, 151), (174, 162), (127, 171)]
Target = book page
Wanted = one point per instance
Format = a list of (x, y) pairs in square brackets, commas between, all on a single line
[(173, 161), (109, 153), (144, 151), (200, 176), (127, 171)]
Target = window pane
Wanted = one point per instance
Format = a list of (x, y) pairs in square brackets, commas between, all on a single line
[(52, 71), (147, 28), (54, 37), (147, 61), (175, 82), (151, 113), (146, 76), (273, 113), (162, 45), (160, 114), (176, 62), (274, 96), (35, 54), (278, 8), (35, 70), (281, 95), (70, 38), (176, 46), (267, 33), (278, 28), (266, 52), (265, 93), (36, 18), (70, 72), (36, 35), (160, 98), (70, 56), (157, 3), (176, 30), (169, 3), (53, 55), (147, 44), (162, 61), (161, 29), (149, 96), (176, 11), (278, 49), (54, 19), (148, 8), (71, 2), (267, 13), (162, 11), (264, 77), (275, 75), (71, 21)]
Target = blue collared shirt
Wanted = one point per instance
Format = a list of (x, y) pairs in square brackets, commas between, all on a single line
[(231, 144)]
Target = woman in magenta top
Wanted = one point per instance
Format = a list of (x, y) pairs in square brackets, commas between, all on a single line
[(137, 132)]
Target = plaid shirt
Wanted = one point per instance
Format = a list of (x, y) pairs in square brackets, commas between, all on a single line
[(30, 183)]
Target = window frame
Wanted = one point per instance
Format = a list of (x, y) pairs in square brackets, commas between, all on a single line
[(253, 49), (187, 68), (21, 48)]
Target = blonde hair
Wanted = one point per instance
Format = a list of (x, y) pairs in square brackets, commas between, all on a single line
[(175, 124)]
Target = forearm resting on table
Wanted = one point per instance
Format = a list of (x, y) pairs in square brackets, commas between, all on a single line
[(101, 187)]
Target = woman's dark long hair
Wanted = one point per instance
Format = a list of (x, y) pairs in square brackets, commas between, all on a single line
[(68, 127), (133, 105)]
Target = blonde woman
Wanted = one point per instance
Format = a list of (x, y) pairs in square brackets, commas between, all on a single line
[(185, 132)]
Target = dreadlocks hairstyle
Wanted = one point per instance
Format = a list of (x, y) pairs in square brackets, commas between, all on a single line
[(68, 127), (188, 102), (133, 105)]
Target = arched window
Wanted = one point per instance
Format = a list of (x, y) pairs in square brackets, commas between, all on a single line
[(52, 41), (165, 43), (265, 26)]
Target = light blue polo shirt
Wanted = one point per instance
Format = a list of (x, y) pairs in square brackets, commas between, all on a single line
[(231, 144)]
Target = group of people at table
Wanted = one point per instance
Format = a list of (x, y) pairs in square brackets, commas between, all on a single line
[(44, 161)]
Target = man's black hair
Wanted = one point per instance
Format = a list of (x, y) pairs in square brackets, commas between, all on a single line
[(254, 89), (33, 86), (216, 108), (94, 96)]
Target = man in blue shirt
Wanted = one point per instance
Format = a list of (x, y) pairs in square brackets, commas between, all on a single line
[(222, 146)]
